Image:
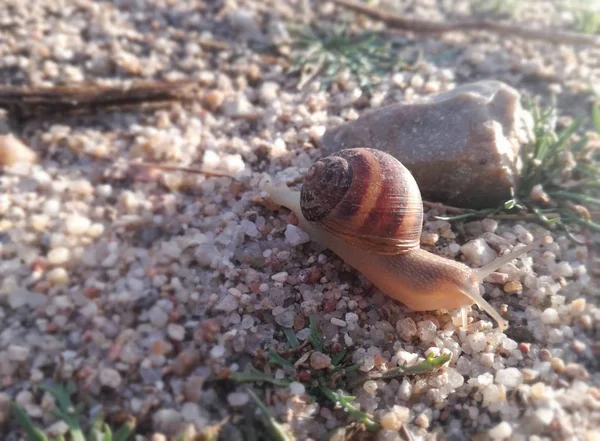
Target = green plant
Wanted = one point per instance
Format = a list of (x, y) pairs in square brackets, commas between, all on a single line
[(70, 414), (586, 19), (560, 181), (328, 52), (508, 8), (329, 384)]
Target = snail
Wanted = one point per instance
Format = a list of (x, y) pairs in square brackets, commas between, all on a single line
[(366, 207)]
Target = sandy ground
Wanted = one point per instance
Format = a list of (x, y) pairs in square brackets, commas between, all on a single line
[(149, 288)]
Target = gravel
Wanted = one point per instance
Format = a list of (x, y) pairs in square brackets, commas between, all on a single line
[(150, 287)]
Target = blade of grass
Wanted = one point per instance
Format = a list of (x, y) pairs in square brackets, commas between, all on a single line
[(337, 358), (291, 338), (315, 338), (126, 430), (344, 403), (255, 376), (575, 197), (275, 358), (596, 117), (32, 432), (430, 363), (277, 430)]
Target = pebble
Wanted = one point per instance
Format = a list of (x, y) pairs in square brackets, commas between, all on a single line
[(297, 388), (237, 399), (370, 386), (550, 316), (18, 353), (109, 377), (167, 421), (477, 341), (511, 287), (77, 225), (58, 276), (280, 277), (158, 317), (217, 351), (319, 360), (295, 236), (228, 304), (501, 431), (510, 377), (337, 322), (478, 252), (58, 256), (249, 228), (176, 332), (57, 429), (13, 151)]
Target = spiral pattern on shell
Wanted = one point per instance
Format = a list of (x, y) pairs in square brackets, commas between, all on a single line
[(365, 197)]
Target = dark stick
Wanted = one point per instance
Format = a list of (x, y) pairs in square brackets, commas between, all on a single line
[(415, 25)]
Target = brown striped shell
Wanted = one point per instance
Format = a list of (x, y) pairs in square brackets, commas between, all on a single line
[(365, 197)]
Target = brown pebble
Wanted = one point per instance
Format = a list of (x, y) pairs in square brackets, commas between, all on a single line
[(160, 347), (524, 347), (186, 362), (299, 322), (557, 365), (576, 372), (545, 354), (514, 286), (193, 388), (214, 99), (13, 151)]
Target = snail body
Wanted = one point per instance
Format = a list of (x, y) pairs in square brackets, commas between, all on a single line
[(366, 207)]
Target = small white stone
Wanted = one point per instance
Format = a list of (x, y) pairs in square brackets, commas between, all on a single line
[(18, 353), (297, 388), (477, 341), (109, 377), (158, 317), (96, 230), (59, 428), (500, 432), (217, 352), (58, 276), (237, 399), (77, 225), (295, 236), (58, 256), (280, 277), (478, 252), (563, 269), (229, 303), (51, 207), (176, 332), (550, 316), (249, 228), (337, 322), (510, 377), (370, 386)]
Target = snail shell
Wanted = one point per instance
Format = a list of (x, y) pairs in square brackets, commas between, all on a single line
[(365, 197)]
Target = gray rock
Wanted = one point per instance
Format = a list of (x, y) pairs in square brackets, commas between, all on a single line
[(461, 146)]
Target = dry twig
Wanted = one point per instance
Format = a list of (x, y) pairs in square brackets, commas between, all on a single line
[(415, 25), (24, 103)]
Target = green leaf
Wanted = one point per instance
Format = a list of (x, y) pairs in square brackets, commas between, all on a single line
[(345, 403), (107, 433), (275, 358), (315, 338), (337, 358), (126, 430), (509, 205), (277, 430), (32, 432), (596, 117), (291, 338), (255, 375)]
